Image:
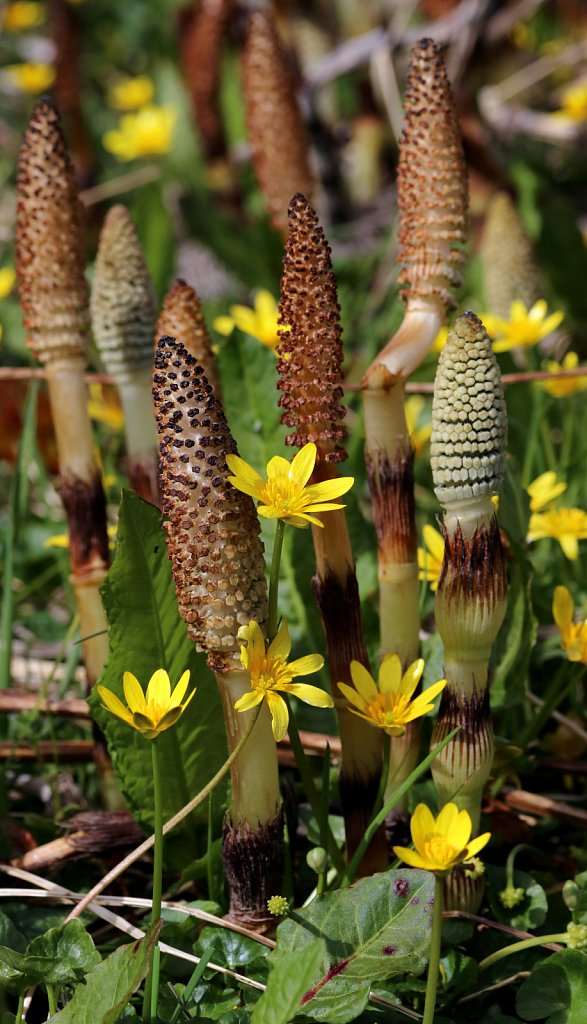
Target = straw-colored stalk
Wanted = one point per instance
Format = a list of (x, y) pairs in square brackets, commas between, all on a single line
[(310, 379), (54, 297), (275, 129), (219, 571), (123, 321), (469, 433), (432, 201), (181, 318), (202, 29)]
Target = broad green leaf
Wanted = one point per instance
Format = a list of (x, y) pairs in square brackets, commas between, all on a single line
[(60, 957), (109, 986), (290, 978), (530, 913), (377, 928), (10, 935), (147, 633), (231, 949), (556, 990)]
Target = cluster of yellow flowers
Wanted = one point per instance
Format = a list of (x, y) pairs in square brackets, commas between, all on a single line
[(567, 525)]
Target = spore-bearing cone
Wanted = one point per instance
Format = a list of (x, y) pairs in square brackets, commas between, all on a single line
[(181, 318)]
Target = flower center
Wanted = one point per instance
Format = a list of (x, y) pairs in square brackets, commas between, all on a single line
[(388, 709), (438, 850), (284, 494), (269, 672)]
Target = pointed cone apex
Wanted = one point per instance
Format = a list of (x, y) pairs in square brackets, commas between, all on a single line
[(123, 306), (212, 528), (274, 124), (181, 318), (432, 182), (310, 352), (469, 419), (50, 255), (509, 269)]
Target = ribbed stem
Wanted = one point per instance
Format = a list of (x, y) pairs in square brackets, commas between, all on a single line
[(142, 445)]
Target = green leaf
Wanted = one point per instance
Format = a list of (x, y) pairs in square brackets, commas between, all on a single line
[(378, 928), (109, 986), (147, 633), (10, 935), (530, 913), (291, 977), (70, 951), (556, 990)]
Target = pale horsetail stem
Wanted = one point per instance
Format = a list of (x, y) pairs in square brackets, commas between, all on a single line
[(310, 379), (123, 321), (181, 318), (219, 571), (53, 293), (276, 133), (469, 434), (432, 201)]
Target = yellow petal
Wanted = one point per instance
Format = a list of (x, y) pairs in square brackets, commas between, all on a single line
[(168, 719), (244, 319), (186, 702), (352, 696), (434, 541), (266, 307), (311, 695), (477, 844), (245, 477), (303, 464), (256, 643), (114, 705), (325, 506), (280, 646), (552, 322), (278, 467), (306, 665), (455, 825), (412, 677), (224, 325), (390, 674), (570, 546), (363, 681), (133, 692), (159, 689), (421, 825), (180, 689), (562, 608), (279, 715), (414, 859), (249, 700), (328, 489)]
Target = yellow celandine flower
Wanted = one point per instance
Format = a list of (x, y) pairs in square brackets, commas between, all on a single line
[(284, 495), (61, 540), (388, 704), (270, 673), (443, 842), (260, 322), (440, 340), (567, 525), (414, 407), (148, 132), (545, 489), (574, 102), (131, 93), (151, 713), (564, 387), (430, 558), (102, 410), (30, 77), (22, 14), (524, 328), (7, 281), (573, 634)]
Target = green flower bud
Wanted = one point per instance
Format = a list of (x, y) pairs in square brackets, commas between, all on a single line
[(317, 859), (511, 896)]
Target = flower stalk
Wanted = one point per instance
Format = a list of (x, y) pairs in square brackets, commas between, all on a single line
[(310, 379), (432, 201), (219, 573), (123, 322), (469, 431)]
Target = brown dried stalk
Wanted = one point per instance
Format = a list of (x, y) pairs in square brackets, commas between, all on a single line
[(54, 297), (181, 318), (274, 124), (87, 834), (203, 28), (310, 379), (218, 567), (432, 201), (123, 321)]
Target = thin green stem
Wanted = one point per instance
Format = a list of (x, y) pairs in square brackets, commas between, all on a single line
[(434, 961), (209, 864), (153, 981), (20, 1008), (310, 787), (378, 819), (274, 579), (51, 1000), (517, 947)]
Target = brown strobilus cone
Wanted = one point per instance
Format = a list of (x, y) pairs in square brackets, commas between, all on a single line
[(219, 571), (53, 293), (310, 371), (274, 125), (203, 28), (65, 33), (181, 318), (432, 201), (123, 320)]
